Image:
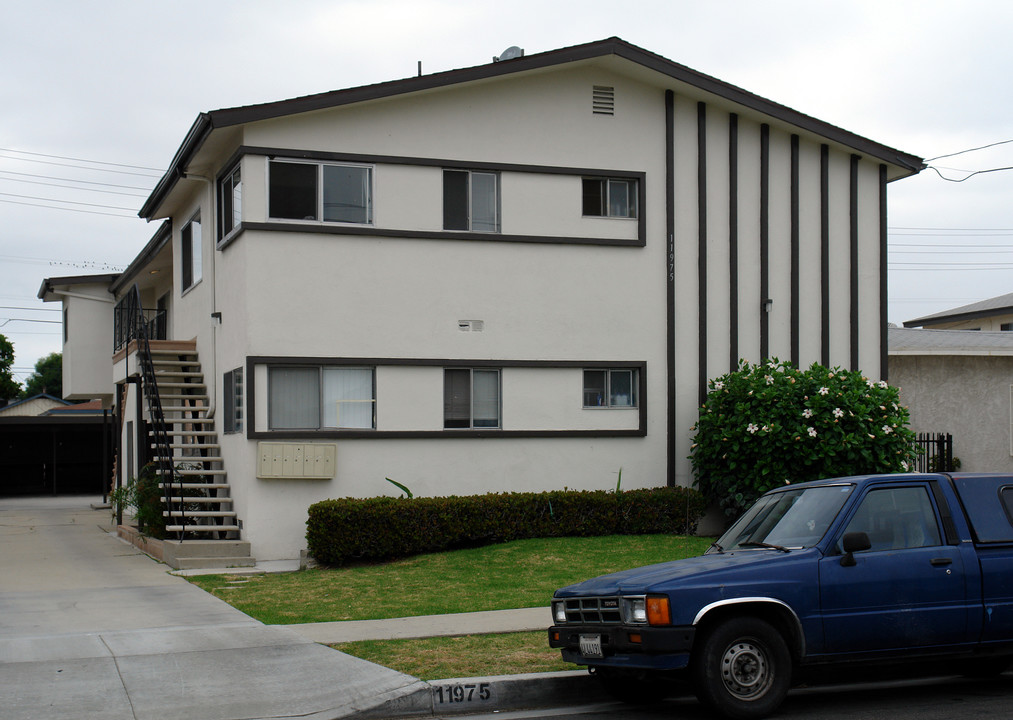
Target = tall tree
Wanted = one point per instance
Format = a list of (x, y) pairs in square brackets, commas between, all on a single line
[(9, 387), (47, 378)]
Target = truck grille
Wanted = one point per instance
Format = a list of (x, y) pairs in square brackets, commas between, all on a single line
[(593, 611)]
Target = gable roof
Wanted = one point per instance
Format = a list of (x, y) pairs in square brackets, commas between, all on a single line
[(207, 122), (42, 400), (1000, 305)]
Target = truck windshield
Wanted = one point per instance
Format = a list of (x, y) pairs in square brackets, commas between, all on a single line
[(793, 518)]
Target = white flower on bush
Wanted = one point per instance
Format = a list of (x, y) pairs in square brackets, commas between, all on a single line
[(812, 432), (887, 429), (719, 385), (824, 391), (904, 465), (882, 384), (751, 428), (807, 413), (769, 379), (838, 413)]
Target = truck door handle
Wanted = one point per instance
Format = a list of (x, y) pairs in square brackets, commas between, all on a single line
[(940, 562)]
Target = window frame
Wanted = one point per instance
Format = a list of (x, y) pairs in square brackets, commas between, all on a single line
[(469, 199), (320, 395), (926, 504), (607, 395), (472, 397), (604, 196), (229, 190), (192, 254), (320, 192)]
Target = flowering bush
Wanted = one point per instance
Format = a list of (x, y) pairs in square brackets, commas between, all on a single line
[(770, 424)]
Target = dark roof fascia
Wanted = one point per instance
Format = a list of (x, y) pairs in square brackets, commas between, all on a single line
[(51, 420), (49, 284), (206, 122), (39, 396), (157, 242), (958, 317)]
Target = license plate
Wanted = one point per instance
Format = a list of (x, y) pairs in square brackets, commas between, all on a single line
[(590, 646)]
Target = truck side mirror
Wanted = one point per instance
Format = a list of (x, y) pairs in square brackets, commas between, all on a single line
[(852, 543)]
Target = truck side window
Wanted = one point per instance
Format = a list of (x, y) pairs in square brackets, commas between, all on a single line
[(897, 518)]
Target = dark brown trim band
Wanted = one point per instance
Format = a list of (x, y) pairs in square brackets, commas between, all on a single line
[(733, 241), (825, 255), (701, 200), (853, 223), (796, 269), (276, 360), (670, 284), (764, 308)]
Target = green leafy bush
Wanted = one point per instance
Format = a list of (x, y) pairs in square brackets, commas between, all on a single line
[(143, 495), (384, 528), (769, 424)]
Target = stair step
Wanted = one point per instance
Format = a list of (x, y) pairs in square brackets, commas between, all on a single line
[(183, 421), (182, 396), (184, 409), (197, 500), (194, 446), (159, 362), (195, 473), (199, 513), (178, 373), (190, 459), (195, 486), (202, 528), (190, 433), (181, 385), (215, 563)]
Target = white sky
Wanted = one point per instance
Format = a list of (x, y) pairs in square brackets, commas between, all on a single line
[(122, 81)]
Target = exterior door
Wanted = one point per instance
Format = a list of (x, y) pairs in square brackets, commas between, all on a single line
[(907, 591)]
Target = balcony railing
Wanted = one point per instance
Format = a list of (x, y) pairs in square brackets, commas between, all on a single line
[(123, 332)]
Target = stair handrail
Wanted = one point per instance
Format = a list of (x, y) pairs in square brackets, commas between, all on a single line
[(138, 329)]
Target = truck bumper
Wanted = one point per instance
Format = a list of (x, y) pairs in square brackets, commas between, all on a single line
[(631, 647)]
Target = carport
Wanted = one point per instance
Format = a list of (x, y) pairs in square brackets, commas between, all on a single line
[(52, 455)]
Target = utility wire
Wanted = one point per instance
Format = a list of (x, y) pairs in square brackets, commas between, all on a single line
[(962, 152), (96, 162), (71, 187), (969, 175), (80, 167), (56, 207), (74, 180)]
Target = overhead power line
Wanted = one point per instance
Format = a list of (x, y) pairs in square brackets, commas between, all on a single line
[(82, 167), (95, 162), (56, 207), (963, 152)]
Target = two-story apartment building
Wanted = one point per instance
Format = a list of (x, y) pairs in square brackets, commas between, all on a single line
[(515, 276)]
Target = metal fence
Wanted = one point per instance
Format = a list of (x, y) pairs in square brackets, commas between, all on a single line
[(935, 452)]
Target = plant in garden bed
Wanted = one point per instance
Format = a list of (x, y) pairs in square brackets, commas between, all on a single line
[(143, 495), (769, 424)]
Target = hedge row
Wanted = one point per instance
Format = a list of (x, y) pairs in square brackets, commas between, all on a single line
[(384, 528)]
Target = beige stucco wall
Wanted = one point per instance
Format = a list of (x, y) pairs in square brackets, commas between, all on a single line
[(968, 396), (326, 295), (89, 344)]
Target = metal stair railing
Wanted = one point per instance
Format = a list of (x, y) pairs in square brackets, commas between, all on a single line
[(138, 330)]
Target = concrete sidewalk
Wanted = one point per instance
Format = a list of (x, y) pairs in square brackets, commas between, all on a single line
[(90, 627)]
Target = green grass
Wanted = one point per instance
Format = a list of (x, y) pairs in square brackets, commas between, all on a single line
[(463, 656), (517, 574)]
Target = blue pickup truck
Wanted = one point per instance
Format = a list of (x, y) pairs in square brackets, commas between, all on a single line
[(878, 568)]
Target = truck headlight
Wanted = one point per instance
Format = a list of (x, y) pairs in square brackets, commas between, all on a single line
[(635, 610), (559, 612)]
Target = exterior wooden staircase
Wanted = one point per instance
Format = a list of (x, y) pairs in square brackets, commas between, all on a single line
[(194, 483)]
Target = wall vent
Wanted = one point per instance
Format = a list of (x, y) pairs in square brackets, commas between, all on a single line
[(603, 100)]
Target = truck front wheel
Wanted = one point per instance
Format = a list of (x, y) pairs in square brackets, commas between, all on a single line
[(742, 669)]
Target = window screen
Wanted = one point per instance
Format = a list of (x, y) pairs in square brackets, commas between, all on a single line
[(294, 398)]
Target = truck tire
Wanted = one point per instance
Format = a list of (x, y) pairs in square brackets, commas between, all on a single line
[(743, 668)]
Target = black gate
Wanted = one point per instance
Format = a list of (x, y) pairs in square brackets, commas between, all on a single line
[(935, 452)]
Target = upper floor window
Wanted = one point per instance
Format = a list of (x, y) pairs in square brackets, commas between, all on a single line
[(232, 384), (230, 202), (471, 398), (614, 388), (190, 238), (320, 397), (320, 191), (470, 200), (609, 197)]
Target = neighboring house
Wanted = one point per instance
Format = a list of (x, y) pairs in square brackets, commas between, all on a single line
[(517, 276), (991, 315), (32, 407), (959, 382)]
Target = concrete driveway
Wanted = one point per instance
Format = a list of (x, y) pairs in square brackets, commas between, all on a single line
[(90, 627)]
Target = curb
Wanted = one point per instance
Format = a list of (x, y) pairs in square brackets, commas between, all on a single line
[(458, 696)]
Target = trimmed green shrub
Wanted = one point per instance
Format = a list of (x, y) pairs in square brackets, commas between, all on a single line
[(385, 528), (770, 424)]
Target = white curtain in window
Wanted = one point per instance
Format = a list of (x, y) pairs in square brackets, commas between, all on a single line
[(348, 397), (483, 202), (485, 398), (294, 398)]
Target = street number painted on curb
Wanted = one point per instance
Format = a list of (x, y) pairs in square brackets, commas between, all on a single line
[(472, 692)]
